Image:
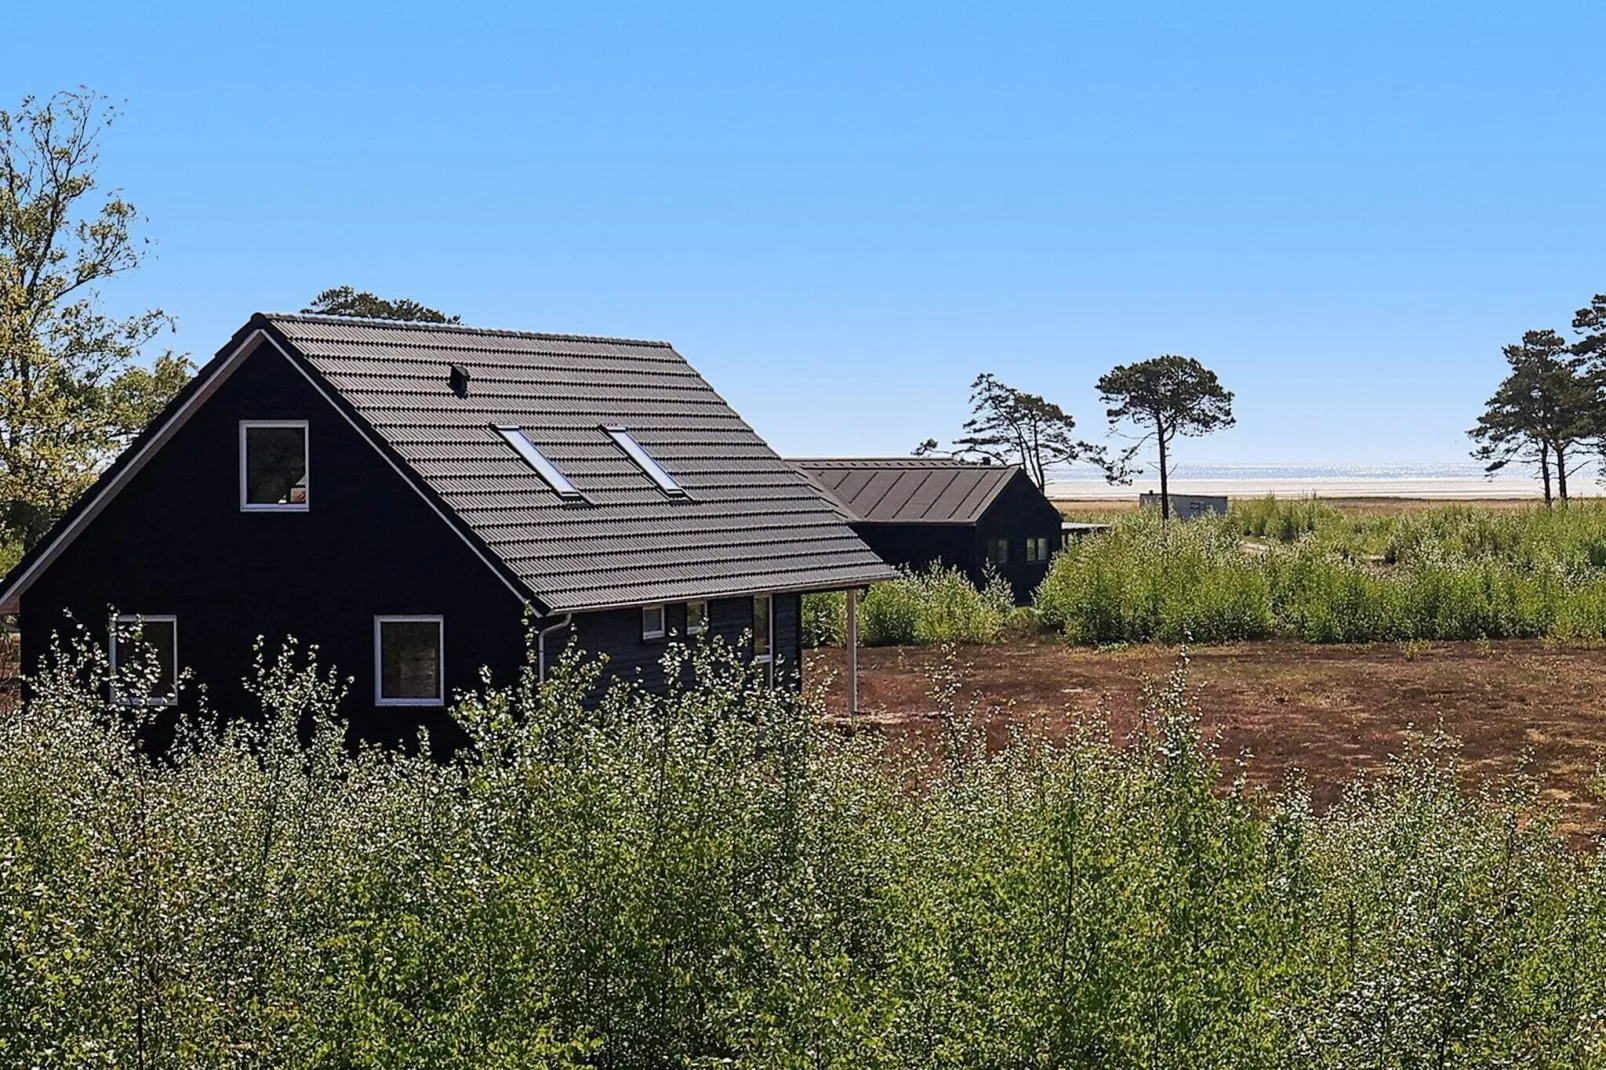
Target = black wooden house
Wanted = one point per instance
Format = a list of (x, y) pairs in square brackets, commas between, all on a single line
[(409, 496), (918, 511)]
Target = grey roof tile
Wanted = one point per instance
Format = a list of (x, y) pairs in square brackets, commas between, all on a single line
[(750, 523)]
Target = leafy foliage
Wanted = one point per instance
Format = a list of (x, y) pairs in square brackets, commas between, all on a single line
[(71, 392), (1544, 412), (716, 878), (929, 606), (347, 301), (1589, 323), (1142, 580)]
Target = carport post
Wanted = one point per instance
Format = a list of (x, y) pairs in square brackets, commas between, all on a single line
[(853, 651)]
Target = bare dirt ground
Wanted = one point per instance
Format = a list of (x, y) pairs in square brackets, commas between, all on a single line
[(1331, 711)]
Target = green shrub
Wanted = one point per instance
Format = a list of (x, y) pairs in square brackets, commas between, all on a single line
[(715, 878), (1279, 518), (938, 605), (825, 619), (1453, 573), (1145, 580), (889, 613), (934, 605)]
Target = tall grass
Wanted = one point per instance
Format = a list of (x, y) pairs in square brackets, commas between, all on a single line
[(714, 878), (1304, 570), (925, 606)]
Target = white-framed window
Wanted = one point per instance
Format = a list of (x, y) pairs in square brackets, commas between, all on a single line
[(764, 635), (146, 640), (998, 551), (652, 622), (696, 617), (409, 660), (273, 466), (1037, 549)]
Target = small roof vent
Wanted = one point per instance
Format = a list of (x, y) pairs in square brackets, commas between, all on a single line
[(458, 380)]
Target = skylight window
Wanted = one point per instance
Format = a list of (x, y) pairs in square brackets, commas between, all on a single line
[(644, 461), (533, 457)]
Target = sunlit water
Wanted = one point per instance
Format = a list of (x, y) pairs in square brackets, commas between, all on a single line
[(1449, 481)]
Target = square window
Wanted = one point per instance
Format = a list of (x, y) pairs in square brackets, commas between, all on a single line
[(147, 644), (409, 653), (652, 622), (998, 551), (273, 466), (696, 618), (1037, 549)]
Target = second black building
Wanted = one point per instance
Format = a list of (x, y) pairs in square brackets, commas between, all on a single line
[(919, 511)]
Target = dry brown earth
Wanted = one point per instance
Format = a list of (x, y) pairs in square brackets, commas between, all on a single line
[(1331, 711)]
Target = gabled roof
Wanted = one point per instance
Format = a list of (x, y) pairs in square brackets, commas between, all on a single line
[(747, 523), (908, 490)]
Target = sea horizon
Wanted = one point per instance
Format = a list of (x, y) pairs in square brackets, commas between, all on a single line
[(1444, 480)]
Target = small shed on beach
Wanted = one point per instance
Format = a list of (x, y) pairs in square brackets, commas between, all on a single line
[(920, 511), (1187, 506)]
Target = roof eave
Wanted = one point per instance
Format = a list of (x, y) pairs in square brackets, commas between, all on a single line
[(870, 577)]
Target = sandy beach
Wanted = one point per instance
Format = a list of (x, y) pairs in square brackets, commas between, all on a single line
[(1427, 488)]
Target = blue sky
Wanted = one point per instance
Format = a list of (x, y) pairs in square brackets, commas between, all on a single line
[(842, 212)]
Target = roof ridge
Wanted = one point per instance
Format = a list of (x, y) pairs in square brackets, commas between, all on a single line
[(900, 462), (458, 328)]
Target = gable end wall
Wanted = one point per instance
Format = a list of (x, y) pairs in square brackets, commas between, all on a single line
[(175, 541)]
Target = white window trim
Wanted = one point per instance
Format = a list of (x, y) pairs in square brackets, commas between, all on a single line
[(276, 507), (663, 621), (379, 658), (138, 620), (703, 627), (767, 660)]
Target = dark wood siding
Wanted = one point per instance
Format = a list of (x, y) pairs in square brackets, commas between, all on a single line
[(175, 541), (918, 546), (617, 635), (1020, 511), (789, 639)]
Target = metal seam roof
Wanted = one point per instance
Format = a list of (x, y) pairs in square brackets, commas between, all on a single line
[(908, 490)]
